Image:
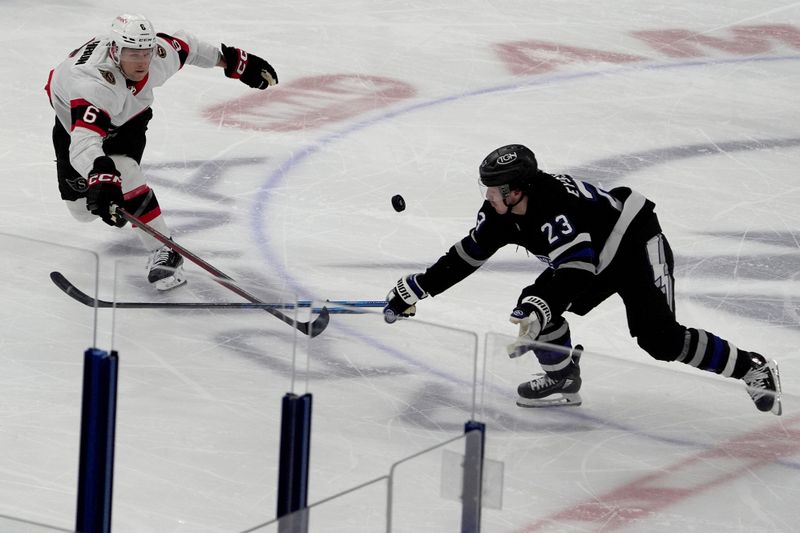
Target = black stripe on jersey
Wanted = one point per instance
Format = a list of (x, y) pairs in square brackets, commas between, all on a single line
[(86, 115), (179, 45)]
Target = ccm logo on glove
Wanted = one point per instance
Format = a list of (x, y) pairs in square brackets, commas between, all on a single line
[(242, 63), (250, 69), (96, 179), (105, 190)]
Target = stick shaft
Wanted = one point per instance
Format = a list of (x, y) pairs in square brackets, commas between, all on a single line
[(319, 324)]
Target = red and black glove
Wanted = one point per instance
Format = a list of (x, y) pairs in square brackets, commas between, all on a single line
[(105, 189), (248, 68)]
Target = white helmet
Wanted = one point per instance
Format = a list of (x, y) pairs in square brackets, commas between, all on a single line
[(131, 31)]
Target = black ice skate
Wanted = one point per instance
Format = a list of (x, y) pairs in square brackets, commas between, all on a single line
[(764, 384), (544, 391), (165, 269)]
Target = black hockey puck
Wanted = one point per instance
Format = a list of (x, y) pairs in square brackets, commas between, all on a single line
[(398, 203)]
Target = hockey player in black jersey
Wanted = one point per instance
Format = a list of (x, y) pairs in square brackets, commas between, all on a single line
[(596, 243), (102, 95)]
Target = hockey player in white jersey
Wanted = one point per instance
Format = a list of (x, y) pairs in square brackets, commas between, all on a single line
[(596, 243), (102, 96)]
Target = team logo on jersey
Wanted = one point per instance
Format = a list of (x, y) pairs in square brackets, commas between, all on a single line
[(78, 184), (162, 53), (108, 76), (507, 158)]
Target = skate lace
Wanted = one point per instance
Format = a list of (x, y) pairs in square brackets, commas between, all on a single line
[(541, 381), (757, 381), (162, 257)]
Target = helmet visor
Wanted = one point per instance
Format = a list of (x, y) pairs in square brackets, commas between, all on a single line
[(482, 189), (496, 193), (136, 54)]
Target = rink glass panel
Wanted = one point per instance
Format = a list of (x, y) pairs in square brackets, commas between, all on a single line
[(43, 336)]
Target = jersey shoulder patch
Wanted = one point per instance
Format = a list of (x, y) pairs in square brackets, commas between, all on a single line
[(108, 76), (180, 46)]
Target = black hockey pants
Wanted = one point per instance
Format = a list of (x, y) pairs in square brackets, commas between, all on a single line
[(643, 277), (129, 139)]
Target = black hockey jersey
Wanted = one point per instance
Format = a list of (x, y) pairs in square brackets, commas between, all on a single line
[(576, 228)]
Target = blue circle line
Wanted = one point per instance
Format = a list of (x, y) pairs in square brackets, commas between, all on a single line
[(274, 178), (262, 196)]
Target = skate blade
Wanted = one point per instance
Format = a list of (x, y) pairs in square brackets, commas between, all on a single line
[(777, 409), (566, 400)]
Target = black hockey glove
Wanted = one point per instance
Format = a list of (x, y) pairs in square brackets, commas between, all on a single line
[(105, 189), (402, 299), (248, 68), (532, 314)]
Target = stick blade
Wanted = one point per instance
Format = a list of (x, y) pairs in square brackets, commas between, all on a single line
[(319, 324), (72, 291)]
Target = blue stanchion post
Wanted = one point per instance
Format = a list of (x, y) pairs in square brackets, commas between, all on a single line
[(472, 488), (294, 462), (98, 422)]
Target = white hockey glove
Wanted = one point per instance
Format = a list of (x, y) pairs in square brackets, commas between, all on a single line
[(532, 314), (402, 299)]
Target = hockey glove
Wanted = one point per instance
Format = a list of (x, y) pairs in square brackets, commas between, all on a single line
[(248, 68), (402, 299), (105, 190), (531, 314)]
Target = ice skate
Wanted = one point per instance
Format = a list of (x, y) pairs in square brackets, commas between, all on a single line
[(544, 391), (764, 384), (165, 269)]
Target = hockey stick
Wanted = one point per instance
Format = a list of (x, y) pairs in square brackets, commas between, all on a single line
[(78, 295), (312, 329)]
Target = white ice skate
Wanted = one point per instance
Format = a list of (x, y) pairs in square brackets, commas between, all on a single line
[(165, 269)]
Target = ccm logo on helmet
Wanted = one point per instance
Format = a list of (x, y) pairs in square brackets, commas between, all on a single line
[(507, 158)]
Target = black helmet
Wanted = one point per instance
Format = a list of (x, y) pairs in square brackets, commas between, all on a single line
[(511, 167)]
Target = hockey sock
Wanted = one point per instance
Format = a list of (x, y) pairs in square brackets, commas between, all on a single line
[(556, 362), (708, 352), (142, 202)]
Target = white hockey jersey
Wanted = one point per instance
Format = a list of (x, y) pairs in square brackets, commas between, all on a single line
[(91, 96)]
